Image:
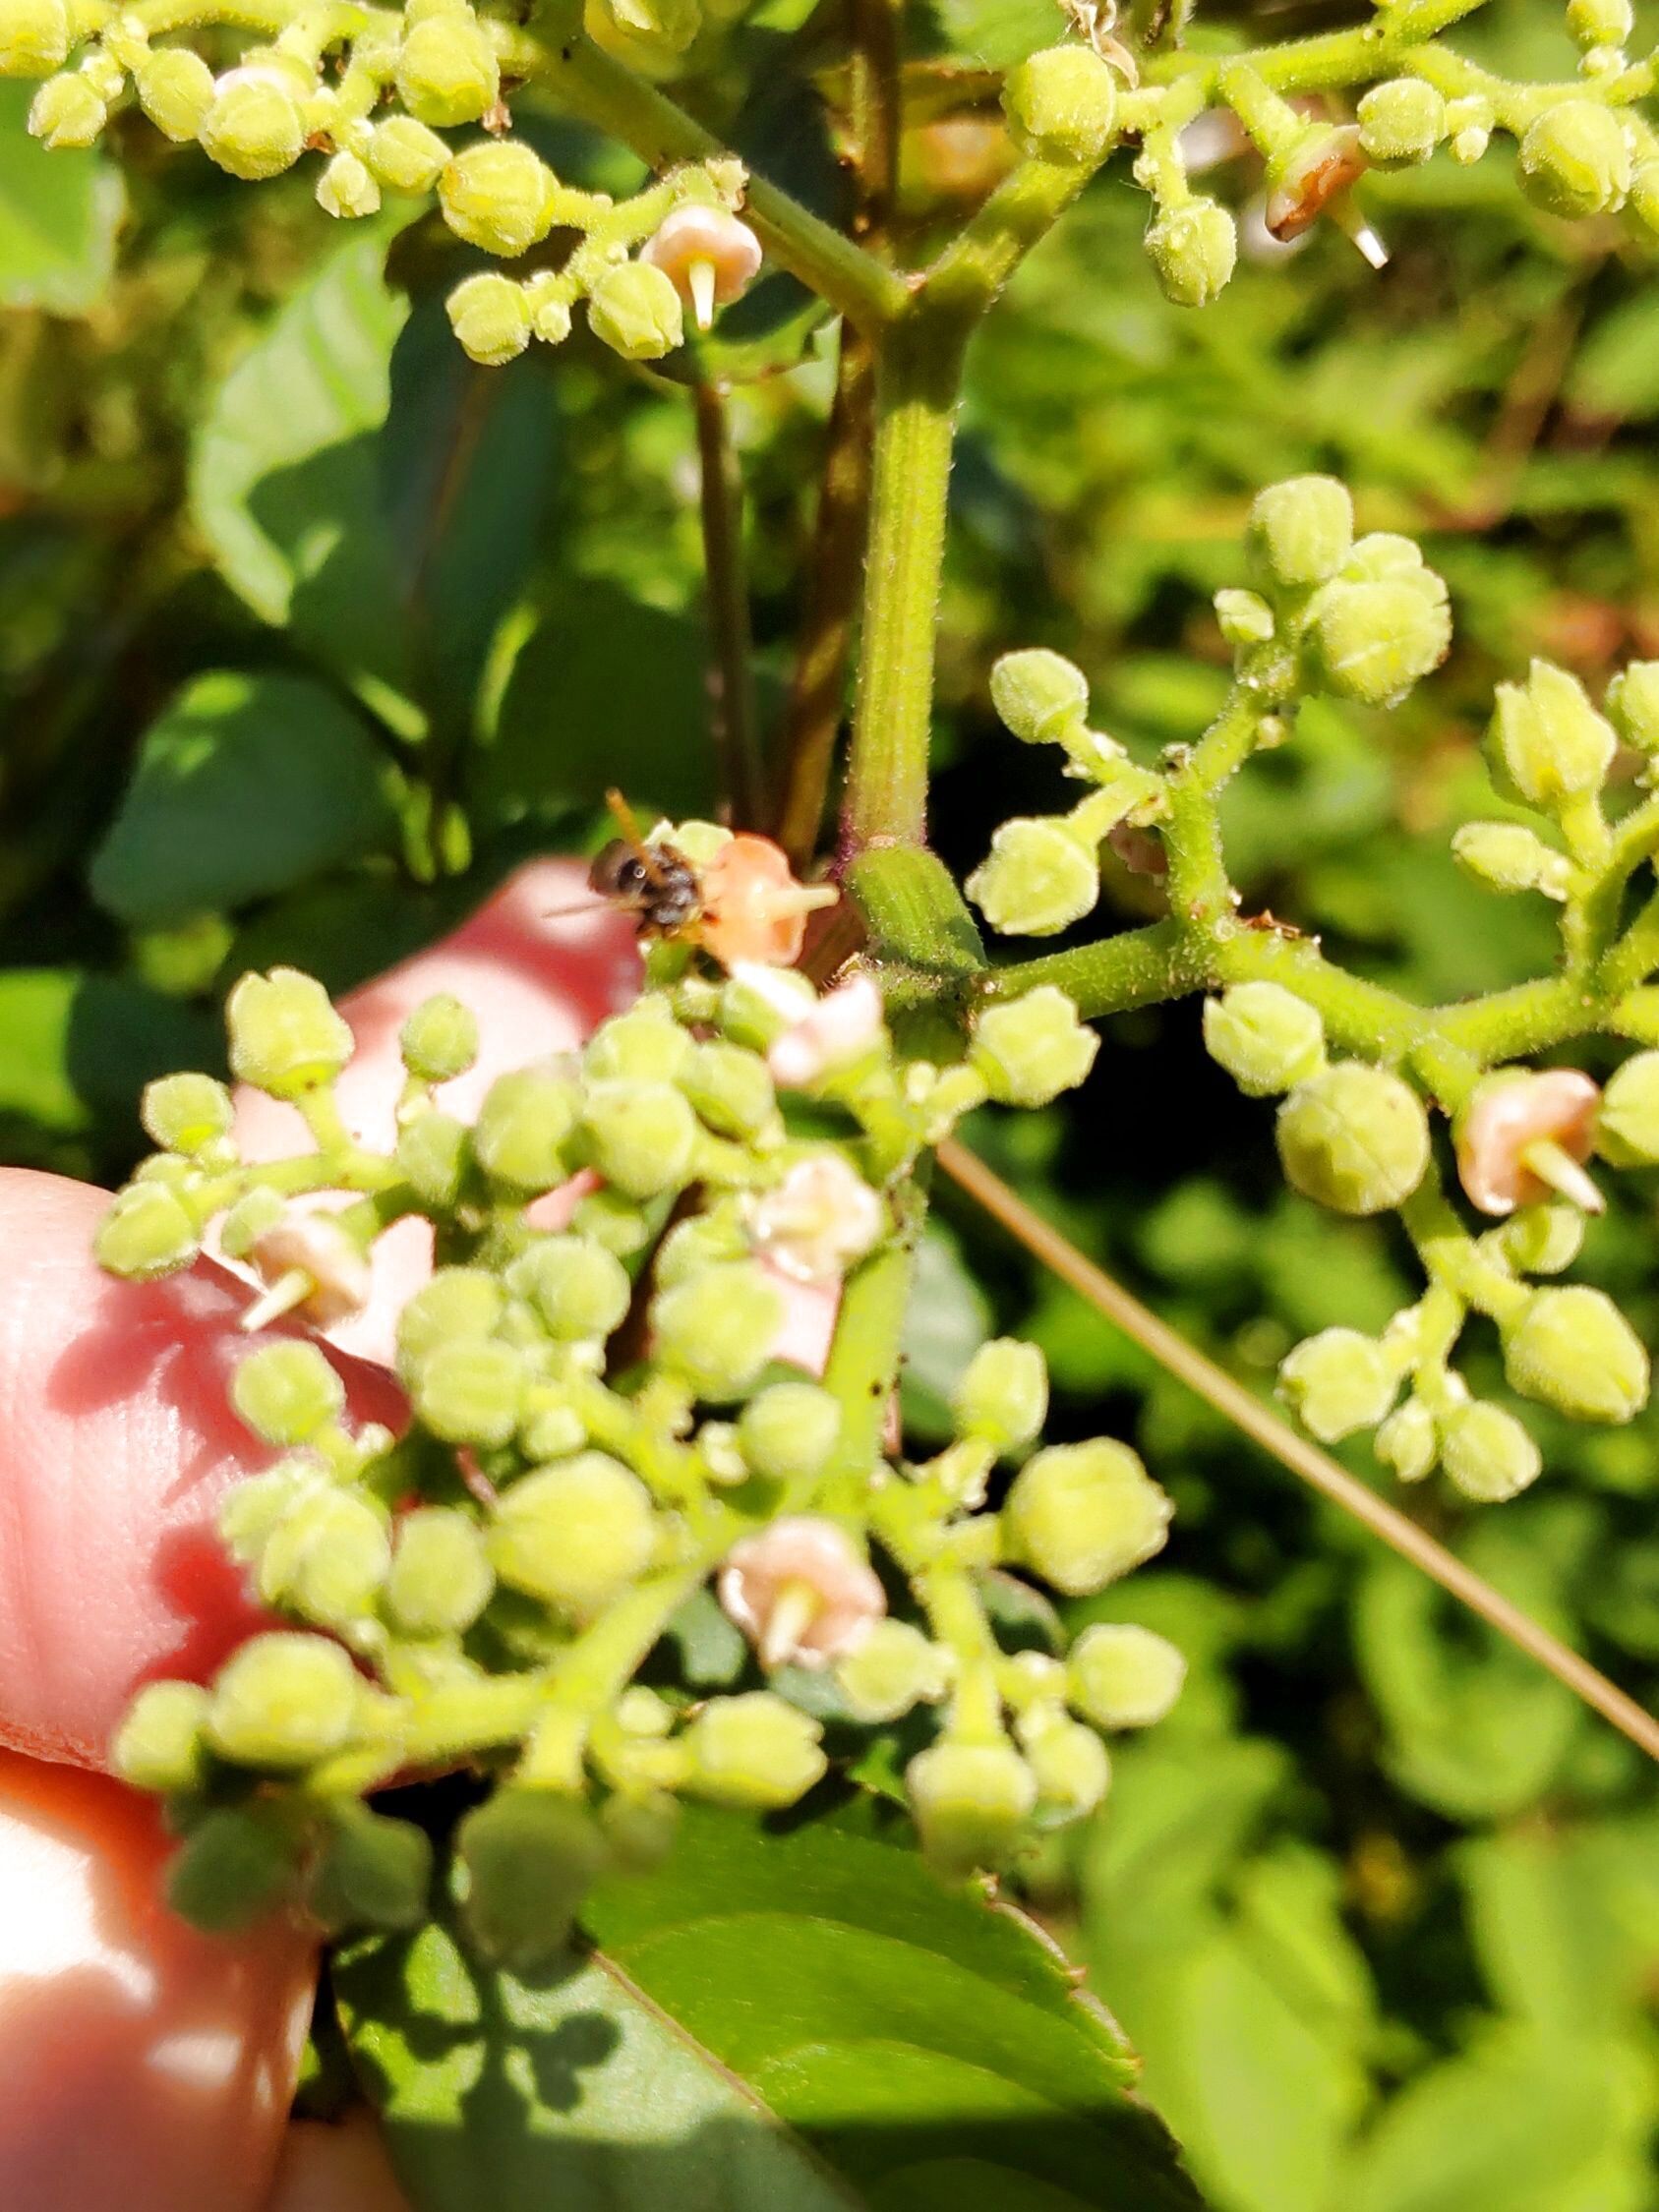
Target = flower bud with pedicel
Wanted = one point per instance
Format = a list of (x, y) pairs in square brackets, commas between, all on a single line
[(283, 1701), (440, 1579), (1072, 1769), (460, 1304), (522, 1126), (1302, 531), (1337, 1381), (788, 1430), (36, 37), (1002, 1395), (1122, 1676), (1573, 1350), (972, 1802), (440, 1039), (186, 1113), (346, 190), (175, 90), (253, 128), (404, 156), (707, 254), (1032, 1048), (146, 1232), (446, 68), (1508, 857), (287, 1392), (159, 1745), (1194, 249), (1633, 701), (67, 113), (718, 1329), (644, 1045), (1547, 743), (531, 1857), (285, 1036), (1575, 160), (1543, 1239), (1402, 120), (1082, 1515), (641, 1138), (499, 197), (801, 1592), (895, 1668), (1041, 876), (1354, 1138), (1377, 637), (1487, 1454), (731, 1090), (1039, 695), (753, 1751), (634, 310), (327, 1559), (373, 1872), (470, 1392), (1266, 1037), (1521, 1136), (1627, 1120), (1408, 1442), (573, 1534), (579, 1289), (1061, 105), (1600, 23)]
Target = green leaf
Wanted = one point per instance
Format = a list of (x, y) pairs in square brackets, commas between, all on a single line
[(244, 785), (773, 2022), (59, 214), (947, 1321), (77, 1049)]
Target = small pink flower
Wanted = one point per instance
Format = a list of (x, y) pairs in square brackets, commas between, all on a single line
[(707, 255), (312, 1266), (1524, 1137), (1323, 167), (801, 1592), (842, 1027), (753, 909), (818, 1220)]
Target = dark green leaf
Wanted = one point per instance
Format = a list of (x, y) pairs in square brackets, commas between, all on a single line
[(795, 2022), (59, 214), (245, 785)]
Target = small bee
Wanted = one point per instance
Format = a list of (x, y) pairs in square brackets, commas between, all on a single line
[(653, 880)]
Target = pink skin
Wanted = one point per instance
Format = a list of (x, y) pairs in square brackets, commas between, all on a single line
[(1556, 1105), (811, 1556)]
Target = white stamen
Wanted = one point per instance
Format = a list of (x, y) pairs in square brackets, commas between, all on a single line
[(288, 1290), (700, 278), (1562, 1172)]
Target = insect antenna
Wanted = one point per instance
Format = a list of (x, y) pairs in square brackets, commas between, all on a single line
[(635, 837)]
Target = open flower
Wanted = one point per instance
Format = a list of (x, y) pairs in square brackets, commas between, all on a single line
[(817, 1221), (707, 255), (753, 909), (1524, 1135), (309, 1264), (842, 1027), (801, 1592)]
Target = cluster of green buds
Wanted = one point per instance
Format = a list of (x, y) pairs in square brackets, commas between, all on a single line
[(602, 1434), (372, 91), (1360, 619)]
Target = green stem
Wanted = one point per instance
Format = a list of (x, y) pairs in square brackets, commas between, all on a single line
[(731, 663), (862, 1368)]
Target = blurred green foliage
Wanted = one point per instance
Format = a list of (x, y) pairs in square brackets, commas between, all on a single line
[(311, 629)]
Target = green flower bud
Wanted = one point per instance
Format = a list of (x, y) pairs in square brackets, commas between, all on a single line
[(253, 128), (753, 1751), (440, 1579), (1408, 1442), (67, 113), (432, 1154), (1547, 743), (1376, 639), (459, 1305), (574, 1533), (1039, 695), (531, 1857), (972, 1802), (701, 1241), (283, 1701), (236, 1865), (1194, 249), (553, 1431), (644, 1045), (500, 196), (643, 1136), (615, 1222), (158, 1744), (346, 190), (731, 1090), (1353, 1138), (788, 1430), (489, 315), (1628, 1120), (1633, 701), (521, 1129), (286, 1392), (36, 37), (326, 1560), (1575, 160), (1402, 120), (580, 1290), (1543, 1239), (146, 1232), (1573, 1350), (1041, 876), (1266, 1037), (374, 1872), (1083, 1514), (1061, 105), (470, 1392), (1337, 1381), (1072, 1769), (446, 70), (894, 1669), (403, 155), (175, 90), (1002, 1394), (1030, 1049), (635, 311), (1121, 1676), (1302, 531), (718, 1329), (1487, 1453), (285, 1036), (186, 1113), (440, 1039), (667, 25), (757, 1012), (1508, 857), (253, 1215), (1600, 23), (1245, 618)]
